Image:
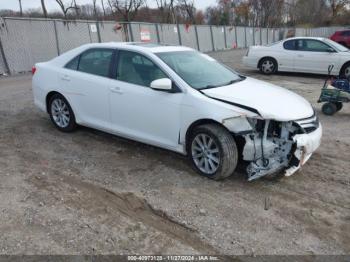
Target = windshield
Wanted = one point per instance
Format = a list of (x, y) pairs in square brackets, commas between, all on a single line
[(337, 46), (198, 70)]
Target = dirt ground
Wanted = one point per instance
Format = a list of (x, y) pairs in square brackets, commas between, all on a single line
[(93, 193)]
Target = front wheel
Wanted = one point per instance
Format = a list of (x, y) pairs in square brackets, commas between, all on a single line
[(345, 71), (61, 113), (213, 151)]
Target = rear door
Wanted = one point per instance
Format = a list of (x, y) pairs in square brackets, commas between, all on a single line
[(314, 56), (86, 81)]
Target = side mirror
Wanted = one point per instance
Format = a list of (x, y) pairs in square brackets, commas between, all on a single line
[(162, 84)]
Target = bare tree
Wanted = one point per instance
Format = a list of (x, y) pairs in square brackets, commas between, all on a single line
[(77, 10), (65, 8), (103, 8), (190, 10), (166, 9), (43, 7), (127, 8), (337, 6), (266, 13), (95, 8), (20, 8)]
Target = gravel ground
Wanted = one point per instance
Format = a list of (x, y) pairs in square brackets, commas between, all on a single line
[(93, 193)]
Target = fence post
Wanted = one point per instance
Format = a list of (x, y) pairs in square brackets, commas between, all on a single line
[(260, 36), (157, 31), (131, 33), (98, 31), (56, 37), (253, 35), (88, 28), (179, 33), (245, 37), (267, 35), (212, 38), (225, 37), (236, 37), (197, 40), (4, 58)]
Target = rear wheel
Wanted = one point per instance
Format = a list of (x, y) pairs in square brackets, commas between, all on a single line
[(61, 113), (213, 151), (268, 66), (329, 109)]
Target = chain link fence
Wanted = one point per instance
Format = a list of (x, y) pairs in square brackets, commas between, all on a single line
[(26, 41)]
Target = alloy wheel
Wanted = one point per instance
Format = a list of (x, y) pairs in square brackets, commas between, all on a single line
[(268, 67), (60, 113), (205, 154)]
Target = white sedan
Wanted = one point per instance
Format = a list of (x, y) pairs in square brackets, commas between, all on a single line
[(300, 54), (182, 100)]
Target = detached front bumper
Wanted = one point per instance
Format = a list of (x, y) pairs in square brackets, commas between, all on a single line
[(306, 144)]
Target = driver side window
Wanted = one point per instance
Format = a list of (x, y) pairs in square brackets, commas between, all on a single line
[(137, 69), (313, 46)]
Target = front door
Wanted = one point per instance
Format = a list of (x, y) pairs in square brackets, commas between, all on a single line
[(314, 56), (138, 111)]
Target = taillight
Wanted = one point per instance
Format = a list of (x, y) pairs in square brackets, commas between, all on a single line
[(33, 70)]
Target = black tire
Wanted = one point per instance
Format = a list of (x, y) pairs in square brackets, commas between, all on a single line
[(268, 66), (329, 109), (64, 125), (345, 70), (339, 105), (222, 142)]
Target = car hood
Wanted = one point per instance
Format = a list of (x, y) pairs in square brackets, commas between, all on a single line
[(271, 101)]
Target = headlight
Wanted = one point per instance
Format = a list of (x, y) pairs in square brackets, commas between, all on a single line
[(238, 124)]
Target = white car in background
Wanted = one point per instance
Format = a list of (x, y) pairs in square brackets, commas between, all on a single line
[(182, 100), (300, 54)]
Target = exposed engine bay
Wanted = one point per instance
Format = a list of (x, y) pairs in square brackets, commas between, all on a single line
[(272, 146)]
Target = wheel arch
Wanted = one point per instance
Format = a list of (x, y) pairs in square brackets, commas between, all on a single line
[(48, 97), (197, 123), (343, 67)]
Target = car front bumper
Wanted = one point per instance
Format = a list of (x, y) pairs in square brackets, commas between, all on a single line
[(306, 144)]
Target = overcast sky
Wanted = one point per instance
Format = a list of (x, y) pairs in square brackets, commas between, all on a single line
[(52, 5)]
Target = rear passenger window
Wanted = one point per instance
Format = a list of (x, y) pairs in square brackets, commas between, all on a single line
[(96, 62), (73, 64), (289, 45)]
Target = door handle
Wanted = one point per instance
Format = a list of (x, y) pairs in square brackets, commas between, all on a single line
[(300, 56), (116, 90), (65, 78)]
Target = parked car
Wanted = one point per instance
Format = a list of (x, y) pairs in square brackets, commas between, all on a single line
[(182, 100), (342, 37), (300, 54)]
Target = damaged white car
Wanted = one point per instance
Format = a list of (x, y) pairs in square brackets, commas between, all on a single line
[(182, 100)]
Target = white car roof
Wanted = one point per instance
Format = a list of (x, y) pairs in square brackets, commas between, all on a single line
[(305, 37), (136, 46), (141, 46)]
